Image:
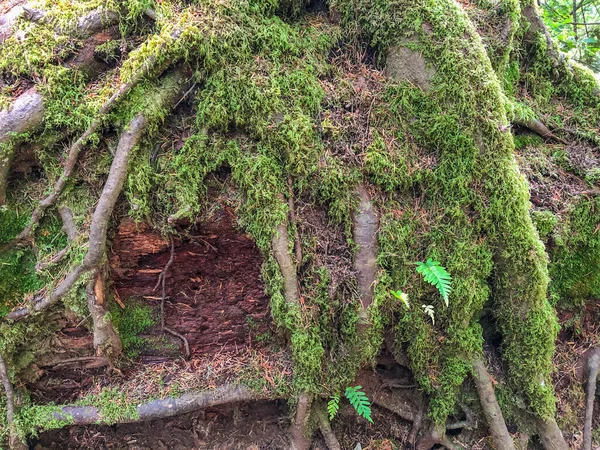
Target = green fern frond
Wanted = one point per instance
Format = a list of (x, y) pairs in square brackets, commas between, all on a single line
[(359, 400), (333, 406), (436, 275)]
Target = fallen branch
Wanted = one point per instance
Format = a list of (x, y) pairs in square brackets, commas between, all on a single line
[(160, 409), (593, 368), (491, 408)]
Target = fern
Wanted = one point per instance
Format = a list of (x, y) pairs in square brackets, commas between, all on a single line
[(435, 274), (360, 402), (333, 406), (402, 296)]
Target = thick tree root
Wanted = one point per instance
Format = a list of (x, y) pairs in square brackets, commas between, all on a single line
[(106, 339), (325, 428), (99, 226), (76, 148), (491, 408), (70, 229), (593, 368), (542, 130), (366, 225), (14, 441), (435, 436), (299, 439), (550, 435), (160, 409)]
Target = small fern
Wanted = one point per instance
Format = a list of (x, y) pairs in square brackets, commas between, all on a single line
[(402, 296), (359, 400), (435, 274), (333, 406)]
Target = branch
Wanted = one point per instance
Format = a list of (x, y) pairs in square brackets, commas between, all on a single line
[(70, 229), (326, 431), (594, 366), (491, 408)]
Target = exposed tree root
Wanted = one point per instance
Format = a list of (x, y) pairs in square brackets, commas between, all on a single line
[(99, 226), (550, 435), (435, 436), (299, 430), (539, 128), (160, 409), (491, 409), (14, 442), (292, 213), (76, 148), (366, 225), (593, 368), (70, 229), (106, 339), (279, 243), (325, 428)]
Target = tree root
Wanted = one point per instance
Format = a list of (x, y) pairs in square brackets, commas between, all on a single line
[(366, 225), (160, 409), (435, 436), (491, 409), (70, 229), (14, 441), (299, 430), (593, 368), (99, 226), (76, 148), (550, 435), (106, 339), (325, 428), (539, 128)]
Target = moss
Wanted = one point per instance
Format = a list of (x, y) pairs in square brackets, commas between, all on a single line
[(545, 222), (130, 322)]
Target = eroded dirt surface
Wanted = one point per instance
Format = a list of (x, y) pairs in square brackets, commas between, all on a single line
[(214, 293)]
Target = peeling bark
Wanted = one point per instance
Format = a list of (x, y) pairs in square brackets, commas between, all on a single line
[(491, 408)]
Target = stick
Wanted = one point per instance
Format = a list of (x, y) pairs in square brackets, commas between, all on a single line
[(594, 366)]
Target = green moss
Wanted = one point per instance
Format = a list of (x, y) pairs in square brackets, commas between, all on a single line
[(545, 222), (130, 322)]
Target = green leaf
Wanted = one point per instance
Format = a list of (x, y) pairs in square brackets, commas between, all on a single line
[(436, 275), (333, 406), (402, 296), (359, 400)]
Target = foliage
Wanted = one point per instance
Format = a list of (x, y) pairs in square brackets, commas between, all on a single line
[(402, 296), (333, 405), (357, 398), (428, 310), (435, 274)]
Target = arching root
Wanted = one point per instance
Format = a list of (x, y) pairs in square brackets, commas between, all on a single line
[(435, 436), (70, 229), (491, 408), (593, 368)]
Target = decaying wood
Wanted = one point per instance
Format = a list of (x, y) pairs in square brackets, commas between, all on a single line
[(160, 409), (491, 408), (593, 368), (550, 435)]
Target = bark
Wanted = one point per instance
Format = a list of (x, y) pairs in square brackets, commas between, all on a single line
[(168, 407), (550, 434), (14, 441), (491, 408), (106, 339), (326, 431), (593, 367), (298, 431), (366, 225)]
